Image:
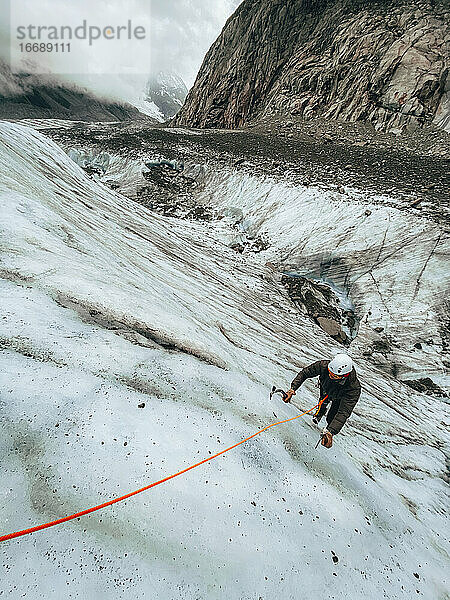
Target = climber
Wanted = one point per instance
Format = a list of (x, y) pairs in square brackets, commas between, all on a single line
[(339, 390)]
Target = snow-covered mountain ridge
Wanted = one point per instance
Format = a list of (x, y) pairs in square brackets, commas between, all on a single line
[(162, 97)]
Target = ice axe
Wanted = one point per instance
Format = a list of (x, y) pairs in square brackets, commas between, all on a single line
[(286, 396), (276, 390)]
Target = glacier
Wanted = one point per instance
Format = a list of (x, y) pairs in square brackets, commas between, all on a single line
[(108, 306)]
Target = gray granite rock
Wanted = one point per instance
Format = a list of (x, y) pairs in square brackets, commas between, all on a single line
[(383, 62)]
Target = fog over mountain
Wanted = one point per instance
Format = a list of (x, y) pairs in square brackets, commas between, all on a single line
[(180, 34)]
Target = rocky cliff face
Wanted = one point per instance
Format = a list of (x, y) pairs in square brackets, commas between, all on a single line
[(384, 62)]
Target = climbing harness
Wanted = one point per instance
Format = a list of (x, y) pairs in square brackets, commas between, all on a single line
[(77, 515)]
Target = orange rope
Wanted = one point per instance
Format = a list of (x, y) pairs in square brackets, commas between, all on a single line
[(10, 536), (319, 406)]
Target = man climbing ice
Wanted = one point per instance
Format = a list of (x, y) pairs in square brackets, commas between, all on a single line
[(339, 392)]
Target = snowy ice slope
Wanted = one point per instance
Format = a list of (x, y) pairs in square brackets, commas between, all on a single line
[(46, 123), (393, 263), (106, 306)]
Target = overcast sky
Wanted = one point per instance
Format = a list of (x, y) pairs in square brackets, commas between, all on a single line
[(180, 33), (183, 31)]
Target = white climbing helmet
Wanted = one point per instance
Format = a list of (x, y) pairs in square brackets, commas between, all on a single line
[(340, 366)]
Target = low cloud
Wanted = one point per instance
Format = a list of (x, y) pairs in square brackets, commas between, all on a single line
[(181, 32)]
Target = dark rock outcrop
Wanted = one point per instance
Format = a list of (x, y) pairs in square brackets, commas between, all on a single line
[(426, 386), (384, 62), (320, 302)]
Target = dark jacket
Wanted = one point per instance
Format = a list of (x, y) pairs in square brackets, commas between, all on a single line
[(344, 394)]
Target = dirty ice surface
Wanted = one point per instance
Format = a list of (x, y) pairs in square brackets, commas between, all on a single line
[(392, 263), (106, 307)]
